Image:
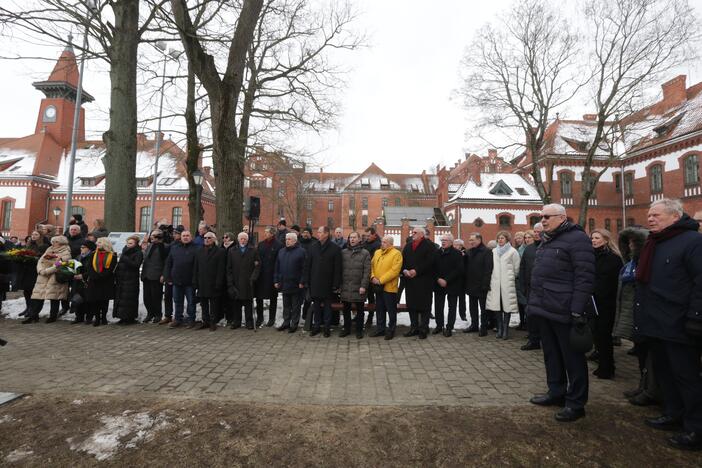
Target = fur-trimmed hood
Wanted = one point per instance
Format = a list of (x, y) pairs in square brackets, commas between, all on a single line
[(638, 235)]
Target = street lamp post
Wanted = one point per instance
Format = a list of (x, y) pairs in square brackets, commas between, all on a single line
[(197, 178), (92, 9), (173, 53), (57, 212)]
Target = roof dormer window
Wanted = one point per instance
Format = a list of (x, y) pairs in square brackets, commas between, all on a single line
[(143, 181), (365, 182), (88, 181)]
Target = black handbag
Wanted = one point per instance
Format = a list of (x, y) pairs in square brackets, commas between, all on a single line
[(63, 276), (580, 336)]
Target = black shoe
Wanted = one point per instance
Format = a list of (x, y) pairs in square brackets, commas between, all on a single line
[(389, 336), (447, 333), (327, 333), (687, 441), (530, 345), (270, 323), (641, 399), (30, 320), (23, 313), (411, 332), (63, 312), (594, 356), (603, 374), (570, 414), (51, 319), (292, 329), (378, 333), (213, 326), (148, 319), (359, 334), (75, 321), (344, 332), (482, 332), (437, 330), (463, 317), (283, 327), (471, 329), (314, 332), (632, 393), (422, 335), (547, 400), (96, 322), (664, 423)]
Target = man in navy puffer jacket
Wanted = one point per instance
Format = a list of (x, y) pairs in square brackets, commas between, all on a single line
[(562, 283)]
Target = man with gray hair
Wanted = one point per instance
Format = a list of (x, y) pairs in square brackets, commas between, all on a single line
[(448, 284), (243, 267), (419, 273), (288, 278), (562, 283), (668, 312)]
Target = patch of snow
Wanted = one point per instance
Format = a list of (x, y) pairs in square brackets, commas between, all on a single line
[(6, 419), (186, 432), (77, 402), (18, 455), (225, 425), (108, 440)]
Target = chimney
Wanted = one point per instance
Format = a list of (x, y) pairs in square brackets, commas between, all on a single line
[(321, 175), (141, 138), (492, 153), (675, 91), (590, 117)]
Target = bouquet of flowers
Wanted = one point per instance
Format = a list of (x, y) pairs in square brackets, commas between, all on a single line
[(21, 255), (66, 270)]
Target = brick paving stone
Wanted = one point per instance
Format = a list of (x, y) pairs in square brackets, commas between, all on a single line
[(269, 366)]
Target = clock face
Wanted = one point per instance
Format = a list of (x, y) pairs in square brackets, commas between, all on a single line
[(50, 114)]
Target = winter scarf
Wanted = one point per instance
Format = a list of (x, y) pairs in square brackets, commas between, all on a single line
[(502, 250), (102, 260), (643, 272)]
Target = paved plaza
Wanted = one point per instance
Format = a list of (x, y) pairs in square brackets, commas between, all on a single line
[(271, 366)]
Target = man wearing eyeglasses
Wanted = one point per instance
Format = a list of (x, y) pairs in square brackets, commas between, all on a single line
[(209, 280), (562, 283)]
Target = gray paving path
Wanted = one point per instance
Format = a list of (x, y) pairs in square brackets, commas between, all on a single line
[(270, 366)]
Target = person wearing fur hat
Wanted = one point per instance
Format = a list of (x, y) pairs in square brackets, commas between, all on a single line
[(47, 286)]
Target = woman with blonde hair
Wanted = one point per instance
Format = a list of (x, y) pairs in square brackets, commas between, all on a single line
[(47, 286), (100, 278), (502, 298), (608, 264)]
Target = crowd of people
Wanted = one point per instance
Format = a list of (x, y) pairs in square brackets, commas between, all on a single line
[(563, 284)]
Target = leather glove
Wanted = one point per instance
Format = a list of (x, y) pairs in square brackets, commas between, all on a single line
[(578, 320), (694, 328)]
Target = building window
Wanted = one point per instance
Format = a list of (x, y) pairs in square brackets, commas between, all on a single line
[(364, 221), (620, 226), (281, 211), (177, 216), (534, 219), (630, 222), (618, 183), (330, 206), (308, 204), (385, 202), (352, 221), (692, 170), (478, 223), (608, 224), (330, 222), (309, 222), (281, 192), (143, 181), (144, 218), (591, 224), (590, 185), (364, 203), (566, 184), (398, 202), (7, 206), (629, 184), (78, 210), (88, 181), (656, 175), (505, 222), (352, 203)]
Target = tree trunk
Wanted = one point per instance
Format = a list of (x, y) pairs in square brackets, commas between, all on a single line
[(120, 139), (193, 151)]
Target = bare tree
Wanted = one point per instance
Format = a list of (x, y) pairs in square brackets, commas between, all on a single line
[(634, 43), (518, 73)]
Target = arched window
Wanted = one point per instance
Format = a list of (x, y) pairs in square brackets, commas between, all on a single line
[(656, 176), (505, 221), (608, 224), (566, 184), (692, 170), (7, 206), (78, 210)]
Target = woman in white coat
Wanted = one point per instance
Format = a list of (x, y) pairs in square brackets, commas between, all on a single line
[(502, 298)]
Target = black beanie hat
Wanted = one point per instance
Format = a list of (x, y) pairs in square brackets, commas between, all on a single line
[(89, 244)]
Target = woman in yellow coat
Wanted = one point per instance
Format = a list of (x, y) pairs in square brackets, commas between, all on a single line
[(385, 275)]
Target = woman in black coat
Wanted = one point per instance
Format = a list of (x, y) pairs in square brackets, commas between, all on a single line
[(27, 271), (99, 275), (126, 307), (608, 264)]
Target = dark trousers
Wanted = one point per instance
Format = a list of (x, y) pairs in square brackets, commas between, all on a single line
[(604, 323), (27, 298), (211, 309), (247, 304), (291, 308), (522, 314), (566, 370), (318, 304), (439, 300), (272, 306), (358, 306), (386, 303), (80, 310), (419, 319), (153, 296), (38, 304), (462, 306), (474, 302), (181, 293), (227, 306), (533, 335), (98, 309), (168, 300), (371, 300), (677, 368)]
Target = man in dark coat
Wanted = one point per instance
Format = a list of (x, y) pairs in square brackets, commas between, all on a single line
[(562, 283), (449, 283), (459, 245), (243, 267), (152, 276), (209, 280), (323, 277), (307, 240), (77, 220), (668, 312), (478, 273), (419, 273), (289, 279), (179, 272), (339, 238), (526, 264), (282, 230), (268, 253)]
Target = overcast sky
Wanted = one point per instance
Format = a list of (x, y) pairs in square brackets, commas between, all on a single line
[(398, 108)]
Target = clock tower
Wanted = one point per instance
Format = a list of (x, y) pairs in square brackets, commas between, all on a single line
[(57, 108)]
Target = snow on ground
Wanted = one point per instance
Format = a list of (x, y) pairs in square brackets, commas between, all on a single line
[(6, 419), (18, 455), (124, 431)]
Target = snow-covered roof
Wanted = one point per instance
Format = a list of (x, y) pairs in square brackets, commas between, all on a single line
[(395, 214), (18, 162), (490, 189), (574, 137)]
